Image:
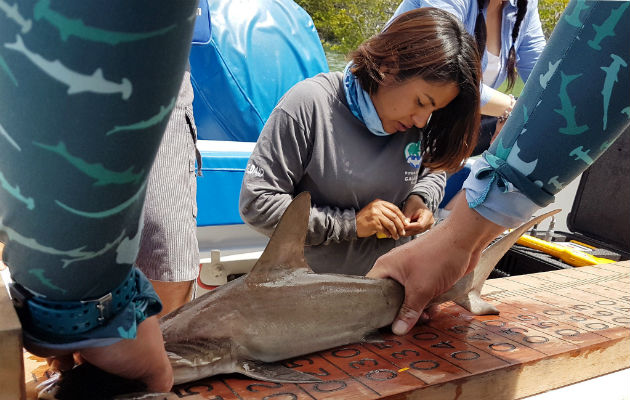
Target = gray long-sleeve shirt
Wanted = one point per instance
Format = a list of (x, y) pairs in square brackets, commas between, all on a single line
[(312, 142)]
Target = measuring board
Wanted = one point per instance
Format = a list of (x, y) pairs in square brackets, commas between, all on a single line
[(555, 328)]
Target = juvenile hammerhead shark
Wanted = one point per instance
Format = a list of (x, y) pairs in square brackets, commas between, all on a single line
[(282, 309)]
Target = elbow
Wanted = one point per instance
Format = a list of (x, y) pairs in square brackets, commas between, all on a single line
[(251, 213), (246, 209)]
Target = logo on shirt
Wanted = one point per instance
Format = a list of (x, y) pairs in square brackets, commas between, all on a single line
[(412, 154), (254, 170)]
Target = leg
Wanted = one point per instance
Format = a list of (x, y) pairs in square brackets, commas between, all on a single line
[(169, 253), (89, 106), (173, 294), (575, 103)]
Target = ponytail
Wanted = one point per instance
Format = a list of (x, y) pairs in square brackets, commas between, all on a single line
[(480, 28), (511, 62)]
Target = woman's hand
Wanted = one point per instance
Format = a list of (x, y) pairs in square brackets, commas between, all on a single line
[(419, 216), (502, 119), (381, 217)]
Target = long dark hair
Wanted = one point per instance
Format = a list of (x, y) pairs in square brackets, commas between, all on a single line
[(431, 44), (480, 36)]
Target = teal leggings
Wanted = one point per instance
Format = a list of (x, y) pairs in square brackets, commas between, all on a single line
[(86, 90), (574, 105)]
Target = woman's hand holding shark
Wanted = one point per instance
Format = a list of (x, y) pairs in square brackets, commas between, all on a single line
[(429, 265)]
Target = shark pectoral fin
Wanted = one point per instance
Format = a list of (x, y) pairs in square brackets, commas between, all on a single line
[(373, 337), (273, 372), (152, 396), (47, 390), (472, 302)]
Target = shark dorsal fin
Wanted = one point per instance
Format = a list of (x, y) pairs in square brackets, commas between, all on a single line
[(285, 251)]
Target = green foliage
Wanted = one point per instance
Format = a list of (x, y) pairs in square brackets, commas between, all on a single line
[(550, 11), (344, 24), (516, 90)]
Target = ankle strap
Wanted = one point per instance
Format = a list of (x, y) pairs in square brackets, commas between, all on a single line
[(67, 318)]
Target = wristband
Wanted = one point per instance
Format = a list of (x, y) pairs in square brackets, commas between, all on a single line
[(508, 111)]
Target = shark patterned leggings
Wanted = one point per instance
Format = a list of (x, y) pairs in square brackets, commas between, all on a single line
[(86, 91), (573, 107)]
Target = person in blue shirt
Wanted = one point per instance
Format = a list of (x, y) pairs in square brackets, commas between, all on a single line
[(576, 104), (510, 39)]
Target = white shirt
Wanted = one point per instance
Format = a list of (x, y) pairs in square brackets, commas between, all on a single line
[(492, 69)]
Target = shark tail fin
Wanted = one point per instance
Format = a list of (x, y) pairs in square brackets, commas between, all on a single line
[(285, 250), (493, 253), (472, 300)]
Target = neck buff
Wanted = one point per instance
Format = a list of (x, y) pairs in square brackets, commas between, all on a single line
[(360, 103)]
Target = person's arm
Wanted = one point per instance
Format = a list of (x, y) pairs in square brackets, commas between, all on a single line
[(495, 103), (459, 8), (276, 166), (404, 6), (423, 201), (432, 263), (430, 186)]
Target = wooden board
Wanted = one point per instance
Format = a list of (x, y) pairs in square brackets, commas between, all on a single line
[(11, 368), (555, 328)]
